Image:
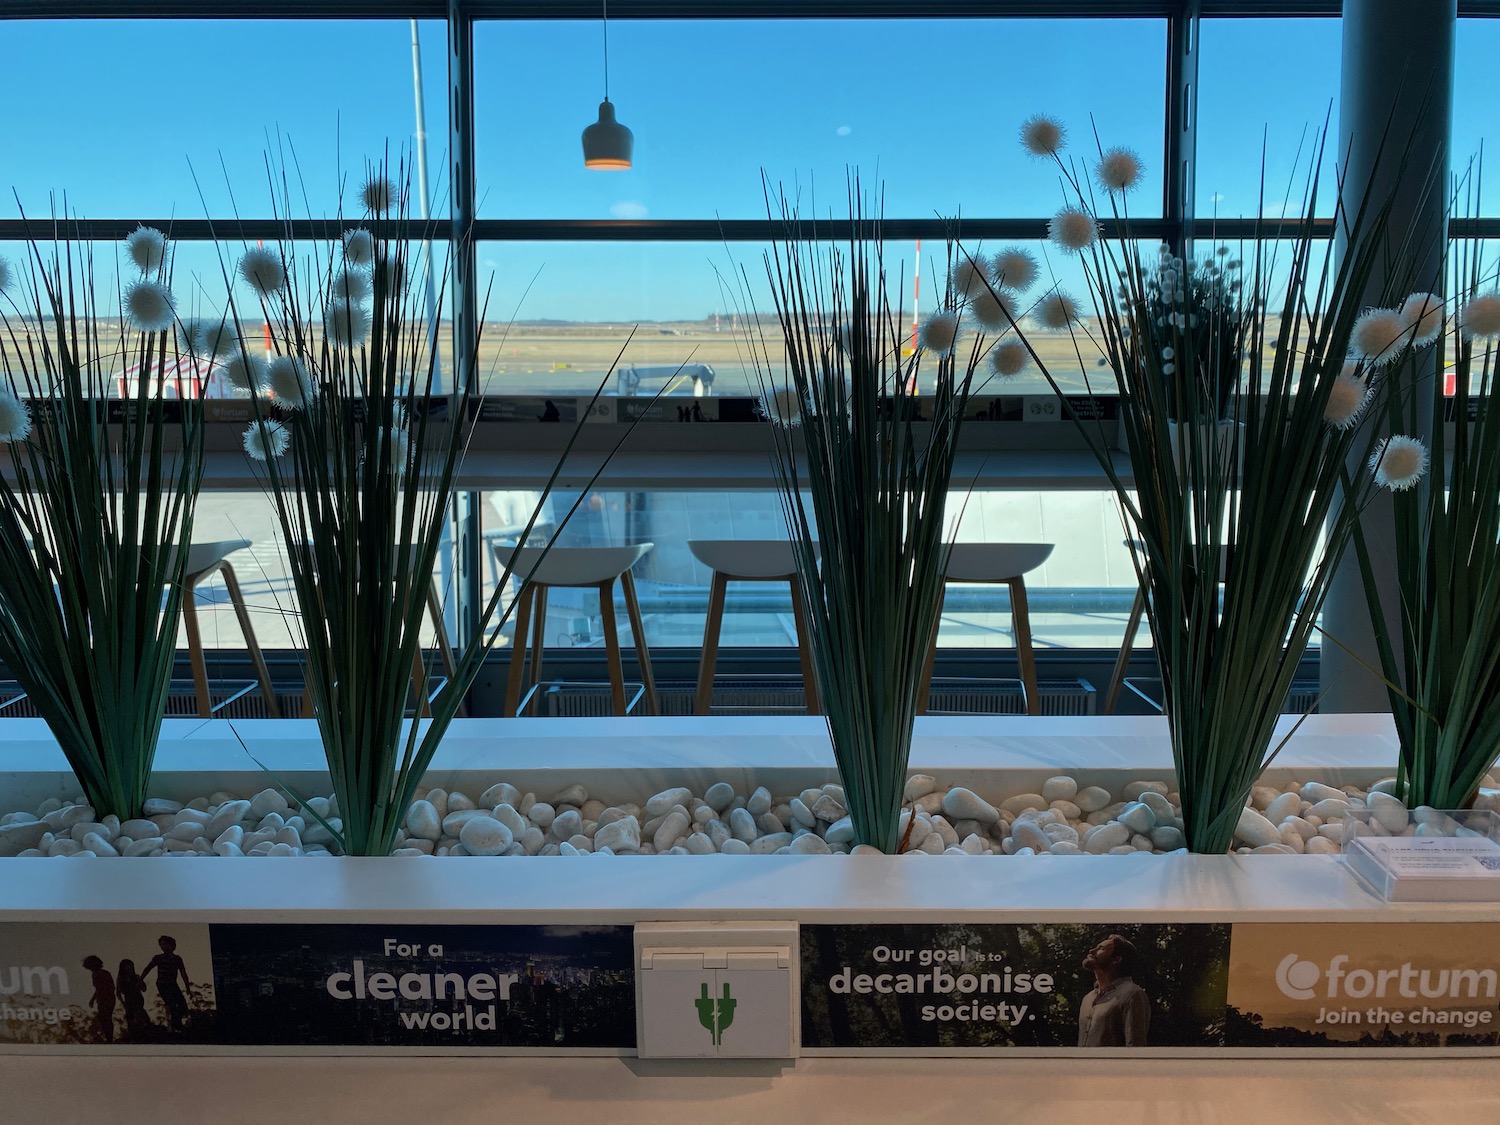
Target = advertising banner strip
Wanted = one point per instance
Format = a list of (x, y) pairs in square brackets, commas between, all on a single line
[(946, 987)]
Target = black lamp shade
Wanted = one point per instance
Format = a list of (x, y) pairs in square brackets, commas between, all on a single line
[(607, 144)]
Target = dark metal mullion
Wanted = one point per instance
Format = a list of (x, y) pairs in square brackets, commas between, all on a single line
[(465, 295), (1181, 148)]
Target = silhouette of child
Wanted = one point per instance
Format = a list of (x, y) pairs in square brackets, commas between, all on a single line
[(131, 990), (103, 999), (168, 967)]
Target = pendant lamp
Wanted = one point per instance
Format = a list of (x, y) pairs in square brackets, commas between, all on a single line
[(607, 145)]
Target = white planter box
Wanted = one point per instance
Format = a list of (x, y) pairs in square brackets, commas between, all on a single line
[(625, 760)]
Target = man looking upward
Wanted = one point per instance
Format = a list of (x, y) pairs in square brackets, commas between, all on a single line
[(1117, 1012)]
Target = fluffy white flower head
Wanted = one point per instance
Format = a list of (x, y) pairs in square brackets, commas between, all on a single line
[(349, 285), (399, 443), (939, 332), (1347, 401), (147, 248), (1399, 462), (968, 274), (4, 275), (289, 381), (190, 336), (266, 440), (993, 309), (346, 323), (359, 247), (1014, 268), (377, 194), (782, 407), (1057, 310), (149, 305), (1043, 135), (1009, 358), (262, 270), (15, 418), (216, 340), (1072, 229), (1480, 316), (1423, 314), (247, 371), (1119, 169), (1379, 335)]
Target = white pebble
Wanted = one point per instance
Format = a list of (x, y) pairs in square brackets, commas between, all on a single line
[(1092, 799)]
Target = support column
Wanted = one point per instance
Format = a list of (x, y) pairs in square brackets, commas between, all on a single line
[(1397, 83)]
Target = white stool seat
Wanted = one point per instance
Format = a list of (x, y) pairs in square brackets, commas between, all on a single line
[(747, 558), (575, 566), (202, 556), (995, 562)]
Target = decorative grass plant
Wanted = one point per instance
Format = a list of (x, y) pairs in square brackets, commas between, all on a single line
[(871, 435), (1238, 540), (361, 456), (1445, 682), (96, 505)]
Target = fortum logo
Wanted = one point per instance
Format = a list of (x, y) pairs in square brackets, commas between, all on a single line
[(1300, 980)]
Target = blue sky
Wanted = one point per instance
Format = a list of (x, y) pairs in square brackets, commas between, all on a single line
[(928, 108)]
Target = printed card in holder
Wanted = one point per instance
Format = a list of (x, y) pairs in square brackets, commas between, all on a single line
[(1434, 856)]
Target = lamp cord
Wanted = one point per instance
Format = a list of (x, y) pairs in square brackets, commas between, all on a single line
[(606, 50)]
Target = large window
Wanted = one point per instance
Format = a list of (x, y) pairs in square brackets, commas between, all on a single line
[(176, 120)]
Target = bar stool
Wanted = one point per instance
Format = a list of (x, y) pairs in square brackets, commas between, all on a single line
[(205, 560), (1132, 625), (444, 645), (749, 560), (1127, 645), (541, 569), (993, 563)]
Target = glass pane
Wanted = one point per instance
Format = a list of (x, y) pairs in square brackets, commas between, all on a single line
[(1275, 105), (1476, 101), (575, 306), (1079, 598), (202, 278), (147, 109), (261, 569), (929, 108)]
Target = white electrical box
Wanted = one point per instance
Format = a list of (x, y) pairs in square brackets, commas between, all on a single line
[(717, 990)]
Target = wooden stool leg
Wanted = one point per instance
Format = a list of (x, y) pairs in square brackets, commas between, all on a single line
[(612, 645), (441, 639), (252, 646), (712, 624), (638, 634), (517, 677), (1021, 618), (1127, 645), (195, 644), (924, 697), (804, 649), (538, 639), (419, 685)]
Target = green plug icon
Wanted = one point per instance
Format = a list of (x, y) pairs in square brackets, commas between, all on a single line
[(715, 1014)]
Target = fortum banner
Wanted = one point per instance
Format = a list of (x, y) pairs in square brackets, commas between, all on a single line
[(1364, 985)]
